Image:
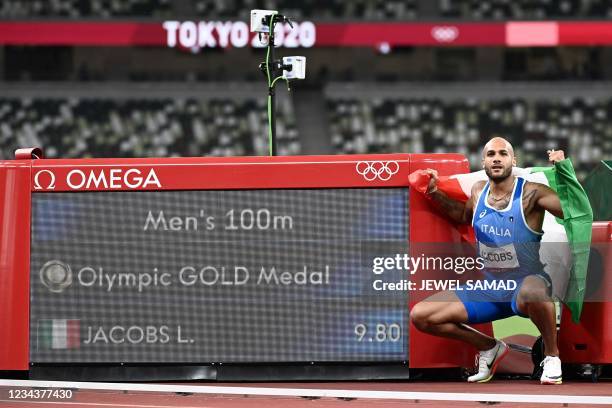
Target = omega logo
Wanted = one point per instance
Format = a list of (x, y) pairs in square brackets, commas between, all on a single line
[(50, 185)]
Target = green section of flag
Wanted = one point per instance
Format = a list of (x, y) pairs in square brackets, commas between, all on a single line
[(578, 224), (45, 334)]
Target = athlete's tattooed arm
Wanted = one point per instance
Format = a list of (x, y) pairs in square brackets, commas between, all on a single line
[(529, 197), (540, 197), (456, 210), (453, 209), (547, 199)]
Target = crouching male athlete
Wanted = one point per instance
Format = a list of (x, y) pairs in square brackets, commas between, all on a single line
[(507, 214)]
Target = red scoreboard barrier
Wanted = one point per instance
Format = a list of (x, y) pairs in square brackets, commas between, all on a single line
[(590, 340), (244, 260)]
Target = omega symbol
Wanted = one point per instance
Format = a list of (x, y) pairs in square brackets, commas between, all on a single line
[(37, 180)]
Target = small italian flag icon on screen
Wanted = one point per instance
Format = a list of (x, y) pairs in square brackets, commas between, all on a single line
[(59, 334)]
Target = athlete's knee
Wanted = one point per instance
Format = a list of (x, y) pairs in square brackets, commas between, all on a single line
[(421, 317), (427, 318), (533, 294), (534, 300), (418, 316)]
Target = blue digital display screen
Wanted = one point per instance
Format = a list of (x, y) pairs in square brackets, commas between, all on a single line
[(217, 276)]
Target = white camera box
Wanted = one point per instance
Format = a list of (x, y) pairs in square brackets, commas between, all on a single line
[(298, 67), (260, 20)]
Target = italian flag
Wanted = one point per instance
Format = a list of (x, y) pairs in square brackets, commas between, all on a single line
[(566, 261), (59, 334)]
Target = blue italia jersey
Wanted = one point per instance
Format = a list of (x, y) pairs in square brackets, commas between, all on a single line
[(505, 241)]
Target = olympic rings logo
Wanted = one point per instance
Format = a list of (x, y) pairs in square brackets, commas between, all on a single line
[(445, 33), (377, 169)]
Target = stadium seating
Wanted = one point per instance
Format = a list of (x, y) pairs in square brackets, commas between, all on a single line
[(579, 126), (318, 9), (368, 9), (160, 127), (524, 9), (169, 119), (336, 9), (313, 9), (80, 127), (85, 8)]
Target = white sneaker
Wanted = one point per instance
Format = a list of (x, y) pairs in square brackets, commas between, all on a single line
[(488, 361), (551, 374)]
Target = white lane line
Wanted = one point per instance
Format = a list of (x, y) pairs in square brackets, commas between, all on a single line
[(313, 392)]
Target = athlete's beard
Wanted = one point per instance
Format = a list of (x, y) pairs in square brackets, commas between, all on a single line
[(507, 173)]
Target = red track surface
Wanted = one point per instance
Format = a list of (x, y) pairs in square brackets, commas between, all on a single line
[(134, 399)]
